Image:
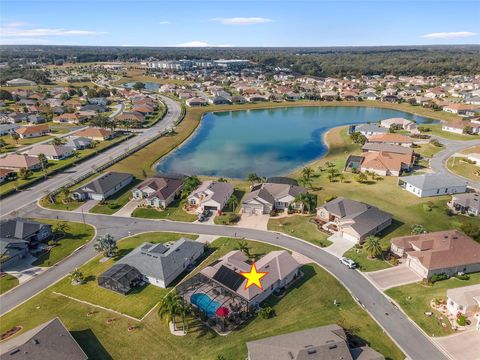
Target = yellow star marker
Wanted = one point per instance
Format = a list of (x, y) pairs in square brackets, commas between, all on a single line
[(253, 277)]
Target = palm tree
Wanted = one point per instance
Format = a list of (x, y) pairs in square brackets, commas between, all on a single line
[(66, 194), (61, 228), (361, 178), (373, 246), (232, 202), (306, 182), (44, 163), (57, 141), (307, 172), (76, 277), (244, 248), (307, 200), (106, 244), (170, 308), (184, 310), (15, 137)]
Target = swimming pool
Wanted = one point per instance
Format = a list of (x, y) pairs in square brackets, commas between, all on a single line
[(205, 304)]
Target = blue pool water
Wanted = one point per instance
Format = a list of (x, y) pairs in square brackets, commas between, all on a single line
[(268, 142), (205, 304)]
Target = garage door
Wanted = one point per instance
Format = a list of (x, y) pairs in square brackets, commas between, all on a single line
[(349, 237), (212, 208)]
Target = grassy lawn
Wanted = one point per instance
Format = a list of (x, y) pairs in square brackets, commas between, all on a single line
[(436, 129), (410, 212), (227, 211), (61, 164), (77, 235), (138, 302), (427, 150), (473, 149), (173, 212), (301, 227), (415, 301), (7, 282), (116, 201), (458, 166), (307, 304)]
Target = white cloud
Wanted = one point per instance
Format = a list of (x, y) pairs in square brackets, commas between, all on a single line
[(20, 30), (200, 44), (164, 22), (241, 20), (449, 35), (23, 41)]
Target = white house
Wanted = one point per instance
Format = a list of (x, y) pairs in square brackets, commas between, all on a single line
[(432, 184), (464, 300), (210, 195)]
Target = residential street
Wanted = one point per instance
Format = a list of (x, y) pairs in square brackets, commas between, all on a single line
[(27, 196), (397, 325), (439, 160)]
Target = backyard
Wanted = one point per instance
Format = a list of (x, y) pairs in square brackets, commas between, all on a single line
[(415, 299), (309, 299), (76, 235), (139, 301)]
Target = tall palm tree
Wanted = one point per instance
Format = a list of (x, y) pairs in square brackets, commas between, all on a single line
[(373, 246), (44, 163), (66, 194), (184, 310), (57, 141), (307, 172), (307, 200), (244, 248), (169, 308), (232, 202)]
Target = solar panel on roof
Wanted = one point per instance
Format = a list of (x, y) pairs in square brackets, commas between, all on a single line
[(229, 278), (159, 249)]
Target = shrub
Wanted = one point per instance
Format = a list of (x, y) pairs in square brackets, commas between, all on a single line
[(233, 218), (266, 312), (462, 276), (438, 277), (427, 207), (461, 319), (113, 205), (273, 213)]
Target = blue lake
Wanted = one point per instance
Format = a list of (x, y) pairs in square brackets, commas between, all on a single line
[(267, 142)]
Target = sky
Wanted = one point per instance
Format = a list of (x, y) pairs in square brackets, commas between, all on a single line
[(239, 23)]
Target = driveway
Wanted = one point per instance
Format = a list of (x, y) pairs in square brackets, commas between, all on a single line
[(340, 245), (395, 276), (87, 206), (254, 221), (128, 208), (461, 346), (23, 269)]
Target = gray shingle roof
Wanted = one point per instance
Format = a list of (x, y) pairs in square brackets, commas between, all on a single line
[(161, 261), (19, 228), (433, 181), (106, 182)]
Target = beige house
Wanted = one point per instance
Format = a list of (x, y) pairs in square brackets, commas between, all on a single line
[(351, 219), (448, 252)]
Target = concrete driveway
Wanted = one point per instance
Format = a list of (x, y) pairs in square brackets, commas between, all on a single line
[(340, 245), (128, 208), (254, 221), (461, 346), (395, 276), (23, 269), (87, 206)]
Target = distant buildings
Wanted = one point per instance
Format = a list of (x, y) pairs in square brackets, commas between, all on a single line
[(183, 64), (20, 82)]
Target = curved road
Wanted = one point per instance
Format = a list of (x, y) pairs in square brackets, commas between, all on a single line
[(438, 163), (410, 339), (34, 193)]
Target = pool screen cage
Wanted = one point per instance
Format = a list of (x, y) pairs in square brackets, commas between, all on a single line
[(238, 308)]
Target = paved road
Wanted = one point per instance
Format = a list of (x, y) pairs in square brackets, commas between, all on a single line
[(27, 196), (439, 161), (416, 345)]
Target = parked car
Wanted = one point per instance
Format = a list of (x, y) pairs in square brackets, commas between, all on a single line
[(348, 263)]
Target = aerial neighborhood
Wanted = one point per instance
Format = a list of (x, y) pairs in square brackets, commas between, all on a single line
[(216, 206)]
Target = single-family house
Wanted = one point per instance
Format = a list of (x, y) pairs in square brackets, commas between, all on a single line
[(17, 236), (8, 129), (19, 161), (102, 187), (50, 340), (196, 101), (52, 152), (391, 138), (442, 252), (370, 129), (78, 142), (458, 108), (383, 163), (468, 203), (321, 343), (265, 197), (210, 195), (26, 132), (94, 133), (161, 264), (6, 174), (134, 116), (464, 300), (69, 118), (158, 191), (460, 127), (20, 82), (353, 220), (401, 122), (433, 184)]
